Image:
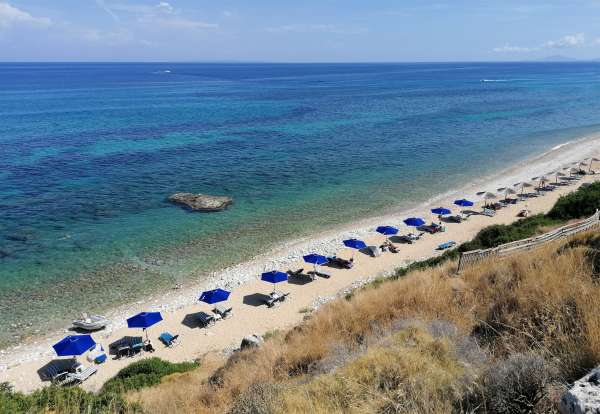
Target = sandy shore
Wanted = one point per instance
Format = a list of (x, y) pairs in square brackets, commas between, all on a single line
[(19, 364)]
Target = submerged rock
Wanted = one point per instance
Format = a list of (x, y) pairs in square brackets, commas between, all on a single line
[(201, 202), (584, 395)]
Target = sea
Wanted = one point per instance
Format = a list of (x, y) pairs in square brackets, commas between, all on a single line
[(90, 152)]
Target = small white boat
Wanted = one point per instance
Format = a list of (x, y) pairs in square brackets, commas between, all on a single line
[(91, 323)]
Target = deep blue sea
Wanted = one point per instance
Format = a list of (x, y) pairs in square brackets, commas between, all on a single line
[(89, 153)]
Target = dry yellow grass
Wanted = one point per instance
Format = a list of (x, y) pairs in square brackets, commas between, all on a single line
[(541, 303)]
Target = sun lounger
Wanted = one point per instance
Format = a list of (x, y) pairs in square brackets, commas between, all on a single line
[(205, 320), (79, 376), (127, 346), (321, 273), (446, 245), (300, 274), (341, 263), (488, 212), (432, 228), (275, 297), (410, 238), (168, 339), (222, 311)]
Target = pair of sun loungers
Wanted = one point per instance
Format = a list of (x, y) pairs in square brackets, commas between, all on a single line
[(432, 228), (275, 298), (410, 238), (65, 372), (219, 312), (300, 274), (130, 346), (341, 263)]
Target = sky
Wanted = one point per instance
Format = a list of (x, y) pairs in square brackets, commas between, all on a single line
[(298, 31)]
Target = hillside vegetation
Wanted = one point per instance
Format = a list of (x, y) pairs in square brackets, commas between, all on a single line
[(505, 336)]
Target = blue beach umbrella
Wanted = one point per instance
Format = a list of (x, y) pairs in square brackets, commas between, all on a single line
[(440, 211), (414, 221), (74, 345), (315, 259), (463, 203), (274, 277), (144, 320), (387, 230), (214, 296), (355, 244)]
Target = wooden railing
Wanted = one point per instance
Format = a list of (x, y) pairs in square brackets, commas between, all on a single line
[(474, 256)]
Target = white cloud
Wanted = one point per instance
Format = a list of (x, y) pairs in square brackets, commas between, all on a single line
[(568, 41), (165, 7), (12, 16), (161, 14), (513, 49), (574, 40), (313, 28)]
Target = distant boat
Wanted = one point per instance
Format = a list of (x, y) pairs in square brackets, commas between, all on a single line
[(91, 323), (167, 71)]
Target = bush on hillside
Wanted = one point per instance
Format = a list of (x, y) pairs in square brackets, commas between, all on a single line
[(74, 400), (144, 373), (582, 203)]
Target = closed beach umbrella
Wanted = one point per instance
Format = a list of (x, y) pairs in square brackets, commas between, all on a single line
[(274, 276), (387, 230), (463, 202), (214, 296), (74, 345), (440, 211), (414, 221)]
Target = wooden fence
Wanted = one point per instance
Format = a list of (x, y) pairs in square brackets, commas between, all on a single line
[(474, 256)]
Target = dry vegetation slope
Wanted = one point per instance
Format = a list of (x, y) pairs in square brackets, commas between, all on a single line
[(504, 336)]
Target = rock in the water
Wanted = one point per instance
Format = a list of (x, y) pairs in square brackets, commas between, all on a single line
[(251, 341), (201, 202), (584, 395)]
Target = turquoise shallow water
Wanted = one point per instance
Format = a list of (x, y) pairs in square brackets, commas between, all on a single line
[(91, 151)]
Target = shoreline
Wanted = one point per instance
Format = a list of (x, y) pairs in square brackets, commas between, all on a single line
[(245, 274)]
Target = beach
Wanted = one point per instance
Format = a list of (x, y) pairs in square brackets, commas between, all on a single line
[(19, 364)]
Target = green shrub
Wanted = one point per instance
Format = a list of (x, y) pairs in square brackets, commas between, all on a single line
[(582, 203), (74, 400), (144, 373)]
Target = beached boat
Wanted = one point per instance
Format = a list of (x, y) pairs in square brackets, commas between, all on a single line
[(91, 323)]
